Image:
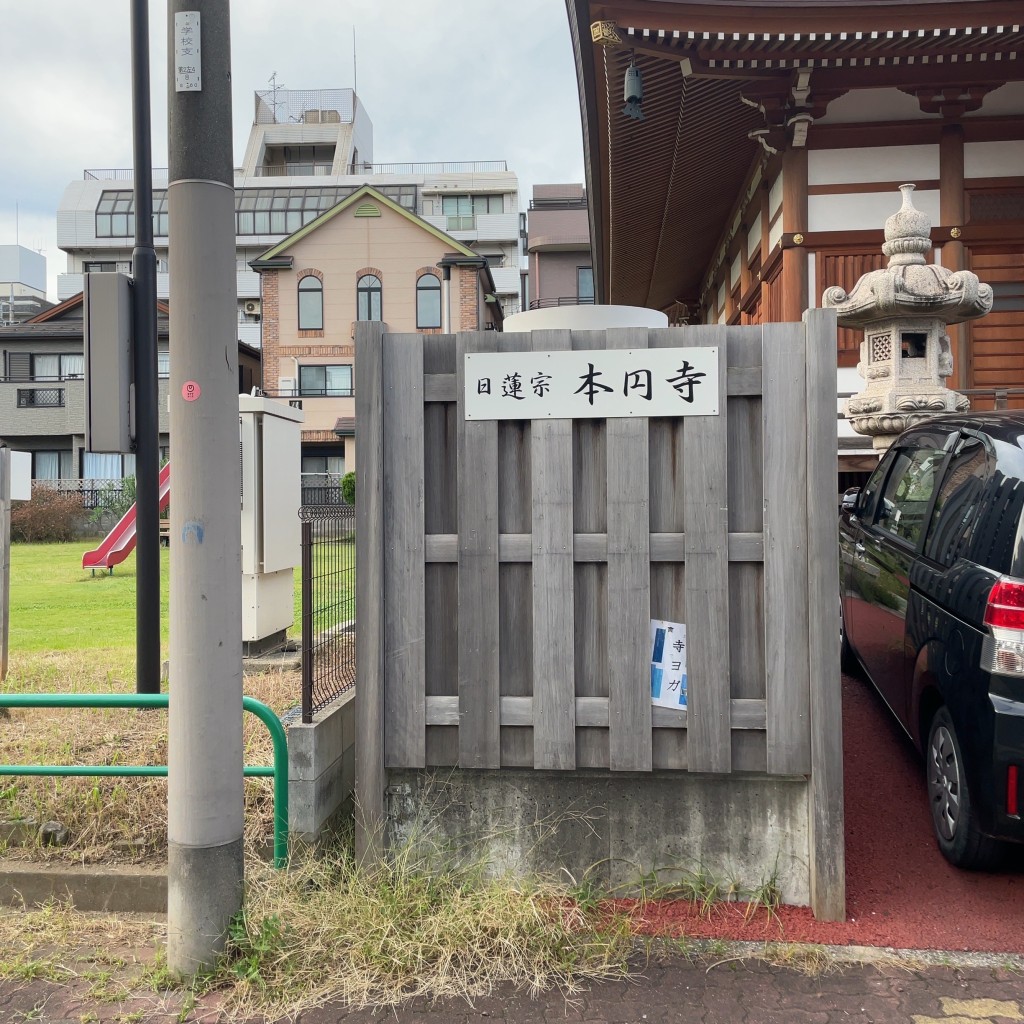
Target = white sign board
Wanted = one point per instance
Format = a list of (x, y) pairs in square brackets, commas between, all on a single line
[(21, 476), (591, 384), (188, 74), (668, 664)]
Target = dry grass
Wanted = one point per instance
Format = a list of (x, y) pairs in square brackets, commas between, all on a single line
[(118, 819)]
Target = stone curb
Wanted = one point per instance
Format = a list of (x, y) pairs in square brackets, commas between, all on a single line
[(129, 889)]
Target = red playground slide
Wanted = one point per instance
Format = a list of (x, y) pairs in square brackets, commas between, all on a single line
[(120, 542)]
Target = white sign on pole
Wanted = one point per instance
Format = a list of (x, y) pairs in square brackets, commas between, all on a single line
[(668, 664), (591, 384), (188, 73), (21, 476)]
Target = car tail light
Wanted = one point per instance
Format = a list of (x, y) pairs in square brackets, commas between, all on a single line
[(1003, 650), (1012, 807)]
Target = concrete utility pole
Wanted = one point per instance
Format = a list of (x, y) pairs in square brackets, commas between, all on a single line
[(205, 861)]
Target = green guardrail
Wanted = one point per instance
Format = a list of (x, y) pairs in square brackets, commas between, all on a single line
[(279, 769)]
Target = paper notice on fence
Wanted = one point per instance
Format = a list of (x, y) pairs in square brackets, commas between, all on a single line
[(668, 664)]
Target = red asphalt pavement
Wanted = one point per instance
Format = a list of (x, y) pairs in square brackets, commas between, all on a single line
[(900, 891)]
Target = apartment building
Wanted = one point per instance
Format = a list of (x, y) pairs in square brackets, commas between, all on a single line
[(367, 258), (307, 151), (558, 247), (22, 284)]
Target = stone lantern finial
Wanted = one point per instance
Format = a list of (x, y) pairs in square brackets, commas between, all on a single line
[(903, 311)]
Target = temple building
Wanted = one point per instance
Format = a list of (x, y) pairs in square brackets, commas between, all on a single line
[(742, 158)]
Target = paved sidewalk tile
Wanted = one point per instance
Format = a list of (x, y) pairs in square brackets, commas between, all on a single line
[(666, 991)]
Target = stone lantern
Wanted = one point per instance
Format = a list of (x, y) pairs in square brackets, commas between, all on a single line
[(903, 311)]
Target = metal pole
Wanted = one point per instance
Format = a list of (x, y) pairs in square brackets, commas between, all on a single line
[(147, 422), (205, 805)]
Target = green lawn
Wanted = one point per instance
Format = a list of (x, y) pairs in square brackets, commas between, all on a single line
[(56, 605)]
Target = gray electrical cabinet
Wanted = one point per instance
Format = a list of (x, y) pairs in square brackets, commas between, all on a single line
[(109, 393)]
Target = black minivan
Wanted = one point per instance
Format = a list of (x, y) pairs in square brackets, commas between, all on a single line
[(932, 585)]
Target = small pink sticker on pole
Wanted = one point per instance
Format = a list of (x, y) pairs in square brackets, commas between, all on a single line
[(190, 391)]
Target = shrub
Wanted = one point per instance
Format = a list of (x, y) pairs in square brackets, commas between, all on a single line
[(348, 488), (49, 516)]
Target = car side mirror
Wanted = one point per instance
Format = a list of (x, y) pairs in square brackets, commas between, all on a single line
[(849, 503)]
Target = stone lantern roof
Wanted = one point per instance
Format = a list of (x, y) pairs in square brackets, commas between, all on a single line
[(903, 310)]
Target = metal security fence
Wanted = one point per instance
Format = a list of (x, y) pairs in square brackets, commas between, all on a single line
[(328, 604)]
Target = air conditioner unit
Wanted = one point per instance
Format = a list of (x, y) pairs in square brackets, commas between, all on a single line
[(311, 117), (252, 306)]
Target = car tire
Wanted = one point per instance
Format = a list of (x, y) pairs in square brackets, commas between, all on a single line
[(953, 816)]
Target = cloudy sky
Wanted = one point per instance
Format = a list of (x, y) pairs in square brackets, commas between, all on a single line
[(440, 79)]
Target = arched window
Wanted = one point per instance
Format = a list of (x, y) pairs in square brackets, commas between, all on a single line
[(368, 298), (311, 304), (428, 301)]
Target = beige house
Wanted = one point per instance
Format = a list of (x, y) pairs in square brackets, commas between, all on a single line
[(367, 258)]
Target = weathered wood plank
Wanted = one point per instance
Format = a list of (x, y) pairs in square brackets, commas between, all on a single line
[(515, 599), (746, 498), (668, 550), (629, 582), (439, 386), (441, 516), (593, 547), (370, 773), (554, 727), (590, 510), (592, 712), (479, 627), (784, 411), (405, 626), (705, 514), (828, 858)]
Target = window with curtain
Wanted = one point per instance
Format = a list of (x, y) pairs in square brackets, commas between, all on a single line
[(328, 381), (72, 365), (45, 367), (368, 298), (311, 304), (428, 301), (51, 465)]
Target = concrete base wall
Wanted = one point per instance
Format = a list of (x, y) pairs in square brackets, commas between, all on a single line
[(615, 829), (321, 767)]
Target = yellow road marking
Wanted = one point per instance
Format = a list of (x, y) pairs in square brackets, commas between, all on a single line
[(970, 1011)]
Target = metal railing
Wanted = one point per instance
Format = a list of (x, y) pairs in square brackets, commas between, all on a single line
[(439, 167), (561, 300), (328, 605), (278, 771), (998, 396), (305, 170), (40, 398)]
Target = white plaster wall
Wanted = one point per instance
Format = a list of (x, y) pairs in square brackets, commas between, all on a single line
[(858, 210), (775, 196), (880, 163), (862, 105), (754, 237), (993, 159), (775, 234)]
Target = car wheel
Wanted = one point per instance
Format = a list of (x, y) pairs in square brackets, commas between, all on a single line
[(953, 816)]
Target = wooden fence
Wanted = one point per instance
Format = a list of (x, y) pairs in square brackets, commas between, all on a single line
[(508, 572)]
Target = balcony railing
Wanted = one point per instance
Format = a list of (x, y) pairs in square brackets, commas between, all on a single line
[(40, 398), (305, 170), (442, 167), (562, 300)]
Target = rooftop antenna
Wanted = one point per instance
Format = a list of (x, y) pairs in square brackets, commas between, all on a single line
[(273, 93), (355, 78)]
